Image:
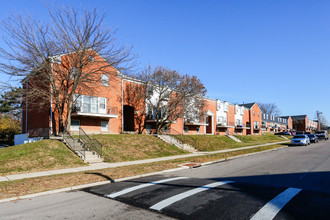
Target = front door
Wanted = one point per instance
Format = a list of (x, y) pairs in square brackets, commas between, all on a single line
[(209, 126)]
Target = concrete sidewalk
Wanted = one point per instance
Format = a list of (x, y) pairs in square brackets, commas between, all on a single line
[(98, 166)]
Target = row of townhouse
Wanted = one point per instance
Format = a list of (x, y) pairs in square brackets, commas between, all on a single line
[(106, 108)]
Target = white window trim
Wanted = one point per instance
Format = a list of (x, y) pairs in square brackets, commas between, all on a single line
[(105, 82), (105, 128)]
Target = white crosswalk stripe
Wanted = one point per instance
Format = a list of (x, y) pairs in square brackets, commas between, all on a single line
[(131, 189), (270, 210), (160, 205)]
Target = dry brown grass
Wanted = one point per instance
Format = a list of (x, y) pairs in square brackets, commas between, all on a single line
[(40, 184)]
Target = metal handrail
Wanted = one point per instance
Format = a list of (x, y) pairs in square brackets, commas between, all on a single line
[(180, 137), (66, 137), (91, 144)]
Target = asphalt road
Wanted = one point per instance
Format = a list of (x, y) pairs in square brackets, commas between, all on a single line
[(289, 183)]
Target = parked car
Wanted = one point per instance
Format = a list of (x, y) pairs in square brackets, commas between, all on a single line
[(283, 133), (322, 135), (313, 138), (300, 139)]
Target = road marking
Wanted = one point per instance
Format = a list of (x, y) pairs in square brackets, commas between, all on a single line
[(162, 204), (122, 192), (270, 210)]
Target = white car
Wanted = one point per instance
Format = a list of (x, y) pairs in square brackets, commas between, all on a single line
[(300, 139)]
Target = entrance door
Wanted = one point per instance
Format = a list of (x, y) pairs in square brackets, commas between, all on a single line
[(209, 126), (128, 118)]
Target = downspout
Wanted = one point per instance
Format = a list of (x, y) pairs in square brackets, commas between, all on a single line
[(26, 105), (51, 103), (122, 104), (22, 117)]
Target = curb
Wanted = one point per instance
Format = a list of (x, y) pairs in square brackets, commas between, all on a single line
[(29, 196)]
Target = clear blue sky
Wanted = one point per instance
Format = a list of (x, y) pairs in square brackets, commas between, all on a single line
[(244, 51)]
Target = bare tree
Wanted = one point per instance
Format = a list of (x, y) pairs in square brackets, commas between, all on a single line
[(270, 108), (168, 95), (62, 56), (323, 123)]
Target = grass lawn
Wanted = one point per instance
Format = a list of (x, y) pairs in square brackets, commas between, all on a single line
[(219, 142), (38, 156), (127, 147), (40, 184)]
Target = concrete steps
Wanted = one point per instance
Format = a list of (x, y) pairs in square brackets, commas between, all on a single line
[(87, 156), (171, 140), (234, 138)]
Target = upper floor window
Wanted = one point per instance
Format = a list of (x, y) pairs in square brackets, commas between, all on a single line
[(150, 91), (91, 58), (258, 114), (74, 72), (105, 80), (254, 113)]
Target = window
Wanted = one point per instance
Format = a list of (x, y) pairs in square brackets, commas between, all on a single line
[(166, 95), (198, 130), (74, 72), (91, 58), (75, 125), (218, 105), (150, 91), (148, 128), (104, 125), (242, 110), (186, 130), (87, 103), (102, 105), (77, 103), (105, 80), (254, 113), (258, 114)]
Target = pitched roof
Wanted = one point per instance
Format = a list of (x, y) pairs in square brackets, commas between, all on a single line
[(248, 105), (295, 117)]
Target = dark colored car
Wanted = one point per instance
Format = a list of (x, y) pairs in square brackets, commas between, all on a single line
[(313, 138), (283, 133), (322, 135)]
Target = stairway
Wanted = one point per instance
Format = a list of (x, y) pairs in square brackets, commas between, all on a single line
[(234, 138), (172, 140), (85, 154)]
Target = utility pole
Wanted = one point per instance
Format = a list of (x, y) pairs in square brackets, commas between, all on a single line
[(318, 120)]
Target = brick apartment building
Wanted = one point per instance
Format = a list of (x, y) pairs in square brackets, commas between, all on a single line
[(273, 124), (110, 107), (302, 123)]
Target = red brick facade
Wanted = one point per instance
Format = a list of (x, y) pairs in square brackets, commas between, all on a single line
[(126, 111)]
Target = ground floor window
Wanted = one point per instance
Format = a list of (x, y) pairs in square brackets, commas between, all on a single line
[(198, 130), (104, 125), (186, 130), (166, 130), (75, 125), (148, 128)]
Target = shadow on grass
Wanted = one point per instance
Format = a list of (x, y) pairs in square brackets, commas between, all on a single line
[(102, 175)]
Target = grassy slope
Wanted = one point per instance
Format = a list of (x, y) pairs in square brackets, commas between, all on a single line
[(40, 184), (38, 156), (126, 147), (216, 142)]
